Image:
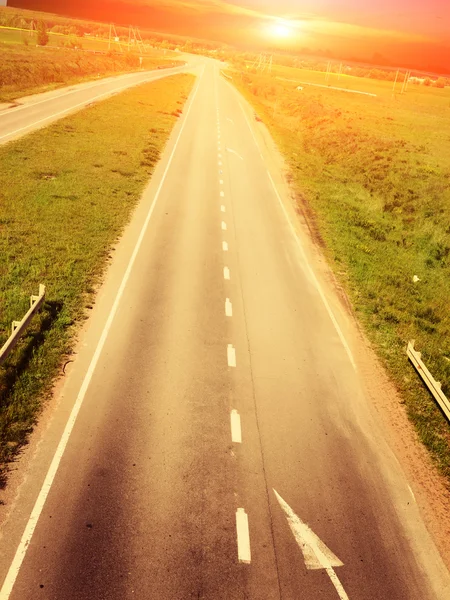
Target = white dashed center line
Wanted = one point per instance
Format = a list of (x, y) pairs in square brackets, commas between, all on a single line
[(221, 181), (236, 433), (225, 246), (228, 308), (226, 273), (243, 537), (222, 208), (224, 226), (231, 355)]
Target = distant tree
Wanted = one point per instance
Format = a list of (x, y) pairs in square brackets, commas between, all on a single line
[(427, 81), (42, 35), (440, 82)]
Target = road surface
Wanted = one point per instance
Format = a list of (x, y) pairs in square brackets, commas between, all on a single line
[(219, 444), (46, 108)]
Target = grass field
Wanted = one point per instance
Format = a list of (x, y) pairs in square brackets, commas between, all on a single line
[(59, 40), (74, 181), (30, 69), (373, 174)]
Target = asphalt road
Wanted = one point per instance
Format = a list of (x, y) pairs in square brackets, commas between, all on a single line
[(46, 108), (223, 447)]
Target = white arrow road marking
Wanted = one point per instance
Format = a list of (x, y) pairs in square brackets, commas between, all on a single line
[(234, 152), (226, 273), (243, 537), (228, 308), (315, 553), (236, 433), (231, 355)]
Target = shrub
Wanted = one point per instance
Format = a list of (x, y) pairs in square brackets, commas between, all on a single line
[(42, 35)]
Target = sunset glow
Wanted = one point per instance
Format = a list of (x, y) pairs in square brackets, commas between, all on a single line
[(412, 32), (281, 30)]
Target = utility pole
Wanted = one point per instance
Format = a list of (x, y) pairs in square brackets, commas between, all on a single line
[(112, 31), (327, 76), (395, 81), (340, 71), (407, 80)]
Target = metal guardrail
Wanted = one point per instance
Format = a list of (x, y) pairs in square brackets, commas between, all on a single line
[(18, 327), (225, 75), (433, 385)]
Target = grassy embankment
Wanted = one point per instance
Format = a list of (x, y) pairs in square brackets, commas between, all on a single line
[(373, 174), (66, 193), (28, 69)]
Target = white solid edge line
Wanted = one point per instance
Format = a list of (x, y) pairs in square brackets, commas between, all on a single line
[(228, 308), (236, 431), (9, 111), (231, 355), (71, 108), (243, 537), (300, 247), (13, 571), (226, 275), (314, 278)]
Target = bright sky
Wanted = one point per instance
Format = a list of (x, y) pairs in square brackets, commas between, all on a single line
[(405, 31)]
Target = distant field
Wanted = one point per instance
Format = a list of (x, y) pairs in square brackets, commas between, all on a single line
[(73, 181), (373, 178), (28, 69), (95, 44), (383, 89)]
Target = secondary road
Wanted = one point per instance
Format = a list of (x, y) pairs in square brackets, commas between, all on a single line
[(51, 106), (220, 445)]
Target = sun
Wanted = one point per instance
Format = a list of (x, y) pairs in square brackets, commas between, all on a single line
[(281, 31)]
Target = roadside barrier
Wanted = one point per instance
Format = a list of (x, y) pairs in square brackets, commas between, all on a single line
[(18, 327), (433, 385)]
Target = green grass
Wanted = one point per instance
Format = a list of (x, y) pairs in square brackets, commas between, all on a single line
[(373, 174), (30, 69), (11, 35), (66, 193)]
